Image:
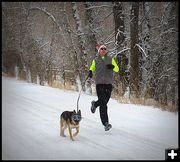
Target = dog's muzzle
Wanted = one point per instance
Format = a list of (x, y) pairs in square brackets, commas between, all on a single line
[(76, 117)]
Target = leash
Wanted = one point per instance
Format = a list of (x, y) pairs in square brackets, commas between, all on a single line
[(80, 93)]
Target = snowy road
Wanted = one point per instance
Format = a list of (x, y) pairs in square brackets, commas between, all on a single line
[(30, 127)]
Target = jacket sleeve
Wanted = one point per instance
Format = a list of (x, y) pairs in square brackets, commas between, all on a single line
[(93, 66), (116, 68)]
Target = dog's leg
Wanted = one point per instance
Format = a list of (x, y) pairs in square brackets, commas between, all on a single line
[(62, 128), (70, 132), (77, 131), (60, 125)]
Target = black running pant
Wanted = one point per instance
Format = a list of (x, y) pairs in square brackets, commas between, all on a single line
[(104, 93)]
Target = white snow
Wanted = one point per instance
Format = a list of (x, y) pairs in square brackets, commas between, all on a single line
[(30, 127)]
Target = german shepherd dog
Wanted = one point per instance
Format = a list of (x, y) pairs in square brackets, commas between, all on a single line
[(71, 120)]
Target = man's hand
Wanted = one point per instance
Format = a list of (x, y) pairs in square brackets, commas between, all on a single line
[(90, 74)]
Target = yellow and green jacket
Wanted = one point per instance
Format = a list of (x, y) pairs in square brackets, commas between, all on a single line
[(103, 75)]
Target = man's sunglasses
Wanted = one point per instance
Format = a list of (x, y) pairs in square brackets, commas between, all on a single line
[(103, 48)]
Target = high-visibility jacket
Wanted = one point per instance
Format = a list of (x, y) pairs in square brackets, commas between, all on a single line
[(103, 75)]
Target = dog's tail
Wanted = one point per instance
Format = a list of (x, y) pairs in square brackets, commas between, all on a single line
[(61, 122), (61, 125)]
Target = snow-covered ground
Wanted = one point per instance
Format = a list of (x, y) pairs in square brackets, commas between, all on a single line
[(30, 127)]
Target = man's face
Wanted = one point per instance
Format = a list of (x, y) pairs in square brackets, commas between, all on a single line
[(102, 51)]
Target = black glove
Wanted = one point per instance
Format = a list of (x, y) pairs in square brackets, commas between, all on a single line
[(90, 74), (110, 66)]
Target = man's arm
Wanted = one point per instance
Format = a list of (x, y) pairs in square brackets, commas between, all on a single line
[(116, 68), (93, 66)]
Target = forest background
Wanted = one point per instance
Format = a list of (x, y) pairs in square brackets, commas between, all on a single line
[(53, 43)]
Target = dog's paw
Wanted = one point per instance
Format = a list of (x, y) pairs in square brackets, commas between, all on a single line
[(75, 134), (62, 135), (72, 139)]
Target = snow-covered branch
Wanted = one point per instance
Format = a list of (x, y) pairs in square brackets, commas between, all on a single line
[(46, 12), (122, 51), (92, 7), (142, 50), (53, 19), (118, 33), (44, 44)]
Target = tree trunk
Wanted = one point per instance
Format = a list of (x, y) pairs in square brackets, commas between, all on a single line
[(134, 56), (122, 59), (81, 43)]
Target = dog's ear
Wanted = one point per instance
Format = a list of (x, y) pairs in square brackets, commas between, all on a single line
[(79, 112), (74, 111)]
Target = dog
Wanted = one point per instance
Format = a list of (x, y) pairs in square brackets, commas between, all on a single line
[(70, 120)]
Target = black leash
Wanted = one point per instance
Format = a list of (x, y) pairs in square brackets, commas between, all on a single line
[(80, 92)]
